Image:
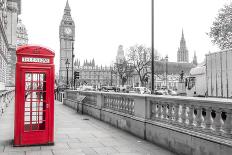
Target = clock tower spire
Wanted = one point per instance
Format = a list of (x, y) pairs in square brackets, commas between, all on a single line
[(67, 38)]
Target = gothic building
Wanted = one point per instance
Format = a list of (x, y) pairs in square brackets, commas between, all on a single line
[(91, 74), (195, 59), (67, 37), (120, 54), (22, 36), (182, 53), (9, 11)]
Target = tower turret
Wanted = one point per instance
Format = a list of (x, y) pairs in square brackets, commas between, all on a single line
[(182, 53)]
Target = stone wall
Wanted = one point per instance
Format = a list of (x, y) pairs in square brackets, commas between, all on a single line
[(184, 125)]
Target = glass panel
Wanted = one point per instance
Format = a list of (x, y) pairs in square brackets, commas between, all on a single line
[(35, 103), (28, 77)]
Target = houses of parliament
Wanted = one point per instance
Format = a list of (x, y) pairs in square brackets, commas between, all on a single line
[(92, 74)]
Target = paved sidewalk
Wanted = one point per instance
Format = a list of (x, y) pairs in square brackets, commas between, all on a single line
[(77, 134)]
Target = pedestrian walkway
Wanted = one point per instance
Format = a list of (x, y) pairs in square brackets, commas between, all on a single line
[(77, 134)]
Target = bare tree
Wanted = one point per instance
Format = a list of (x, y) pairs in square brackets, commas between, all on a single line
[(124, 70), (140, 57)]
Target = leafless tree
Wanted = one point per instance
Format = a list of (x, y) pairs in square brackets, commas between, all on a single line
[(140, 58), (124, 70)]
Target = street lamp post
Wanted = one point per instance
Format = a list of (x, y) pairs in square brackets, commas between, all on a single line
[(67, 67), (72, 64), (152, 46), (166, 58)]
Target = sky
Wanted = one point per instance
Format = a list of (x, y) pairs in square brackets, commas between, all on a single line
[(103, 25)]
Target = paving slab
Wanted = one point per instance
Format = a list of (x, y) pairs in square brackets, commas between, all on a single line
[(77, 134)]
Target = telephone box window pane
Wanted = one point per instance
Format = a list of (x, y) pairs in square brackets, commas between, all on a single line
[(28, 85), (35, 101), (27, 96), (28, 77)]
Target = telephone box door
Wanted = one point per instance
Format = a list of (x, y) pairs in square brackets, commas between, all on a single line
[(36, 88)]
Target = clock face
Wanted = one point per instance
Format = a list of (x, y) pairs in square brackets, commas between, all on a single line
[(68, 30)]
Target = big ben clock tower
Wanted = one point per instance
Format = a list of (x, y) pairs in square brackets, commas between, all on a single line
[(67, 37)]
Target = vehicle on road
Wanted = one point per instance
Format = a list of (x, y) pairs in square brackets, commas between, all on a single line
[(109, 89), (87, 88), (141, 90), (161, 92)]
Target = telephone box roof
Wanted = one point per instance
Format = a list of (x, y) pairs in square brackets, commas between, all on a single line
[(35, 50)]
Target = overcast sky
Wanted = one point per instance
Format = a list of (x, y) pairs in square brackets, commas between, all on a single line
[(102, 25)]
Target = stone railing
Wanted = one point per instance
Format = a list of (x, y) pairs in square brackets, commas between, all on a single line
[(6, 97), (120, 103), (185, 125), (212, 117)]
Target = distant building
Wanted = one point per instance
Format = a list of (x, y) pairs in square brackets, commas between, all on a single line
[(9, 11), (120, 54), (91, 74), (173, 71), (22, 36), (182, 53), (195, 59), (67, 37)]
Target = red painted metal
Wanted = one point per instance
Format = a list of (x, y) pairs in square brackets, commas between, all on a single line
[(34, 96)]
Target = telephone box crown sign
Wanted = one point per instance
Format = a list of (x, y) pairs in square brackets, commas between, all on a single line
[(35, 54)]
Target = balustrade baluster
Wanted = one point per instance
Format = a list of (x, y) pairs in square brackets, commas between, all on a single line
[(218, 122), (228, 123), (183, 115), (123, 104), (131, 106), (169, 117), (164, 110), (112, 102), (200, 118), (159, 110), (108, 101), (176, 113), (115, 103), (208, 119), (128, 106), (129, 103), (105, 101)]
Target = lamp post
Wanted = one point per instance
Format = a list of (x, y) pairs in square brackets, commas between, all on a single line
[(166, 58), (72, 64), (67, 67), (152, 46)]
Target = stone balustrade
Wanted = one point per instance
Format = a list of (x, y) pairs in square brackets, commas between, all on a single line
[(185, 125), (205, 115), (120, 103), (6, 97)]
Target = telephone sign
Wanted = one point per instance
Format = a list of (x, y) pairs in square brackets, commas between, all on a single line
[(34, 96)]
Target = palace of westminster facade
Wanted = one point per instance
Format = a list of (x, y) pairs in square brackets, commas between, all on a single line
[(91, 74)]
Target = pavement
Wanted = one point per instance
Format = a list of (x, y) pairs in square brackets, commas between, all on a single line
[(77, 134)]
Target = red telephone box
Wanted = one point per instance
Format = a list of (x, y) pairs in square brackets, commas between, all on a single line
[(34, 96)]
